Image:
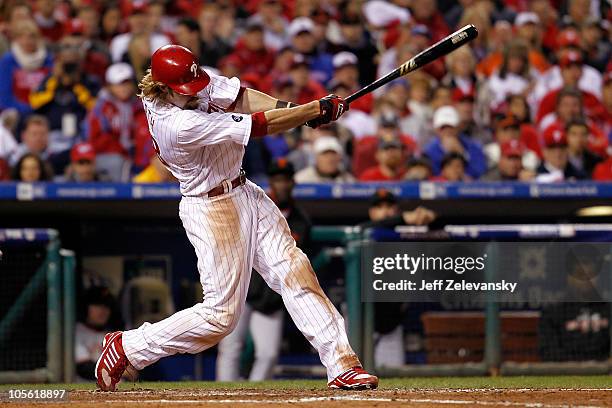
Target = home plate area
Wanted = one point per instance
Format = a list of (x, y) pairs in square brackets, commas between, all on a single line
[(167, 398)]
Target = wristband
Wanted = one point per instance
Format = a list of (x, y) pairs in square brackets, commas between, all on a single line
[(284, 104), (259, 126)]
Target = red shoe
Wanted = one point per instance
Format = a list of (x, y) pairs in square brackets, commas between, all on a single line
[(355, 378), (112, 362)]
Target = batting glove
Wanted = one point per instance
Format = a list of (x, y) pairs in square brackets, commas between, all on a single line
[(332, 107)]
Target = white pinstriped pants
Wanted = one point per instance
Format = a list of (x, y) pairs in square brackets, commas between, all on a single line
[(232, 234)]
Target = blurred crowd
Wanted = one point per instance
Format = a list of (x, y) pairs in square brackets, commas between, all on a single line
[(530, 99)]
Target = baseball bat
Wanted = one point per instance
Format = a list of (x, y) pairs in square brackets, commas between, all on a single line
[(439, 49)]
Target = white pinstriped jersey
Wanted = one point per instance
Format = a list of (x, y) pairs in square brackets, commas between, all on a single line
[(201, 147)]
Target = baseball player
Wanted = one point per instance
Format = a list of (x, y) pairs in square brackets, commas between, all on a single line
[(200, 124)]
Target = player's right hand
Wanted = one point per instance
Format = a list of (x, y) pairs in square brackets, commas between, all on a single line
[(332, 107)]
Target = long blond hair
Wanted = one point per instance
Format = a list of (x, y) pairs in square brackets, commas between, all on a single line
[(151, 89)]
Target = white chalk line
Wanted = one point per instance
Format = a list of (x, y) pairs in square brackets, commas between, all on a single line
[(353, 398)]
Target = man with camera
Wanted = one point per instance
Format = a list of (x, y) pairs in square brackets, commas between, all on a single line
[(64, 97)]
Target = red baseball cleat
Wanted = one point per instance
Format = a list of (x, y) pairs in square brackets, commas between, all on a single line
[(112, 362), (355, 378)]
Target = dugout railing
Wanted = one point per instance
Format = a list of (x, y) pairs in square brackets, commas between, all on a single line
[(37, 307), (497, 325)]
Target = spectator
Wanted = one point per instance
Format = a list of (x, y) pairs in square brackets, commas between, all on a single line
[(577, 147), (328, 167), (390, 158), (270, 16), (89, 331), (569, 107), (418, 169), (519, 109), (556, 166), (515, 75), (251, 53), (529, 29), (452, 168), (306, 88), (590, 80), (460, 65), (140, 25), (493, 61), (111, 124), (65, 97), (45, 17), (82, 168), (508, 129), (510, 164), (264, 312), (213, 47), (448, 140), (94, 55), (279, 74), (571, 70), (597, 47), (23, 68), (30, 169), (346, 72), (188, 35), (301, 33), (366, 149), (34, 139), (418, 123), (356, 40), (110, 22), (468, 124), (427, 13)]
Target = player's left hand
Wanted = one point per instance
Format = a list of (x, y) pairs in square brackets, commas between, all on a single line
[(332, 107)]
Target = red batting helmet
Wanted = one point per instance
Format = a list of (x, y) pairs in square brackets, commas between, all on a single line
[(178, 68)]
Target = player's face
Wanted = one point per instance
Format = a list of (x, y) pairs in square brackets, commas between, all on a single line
[(383, 211), (282, 187)]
